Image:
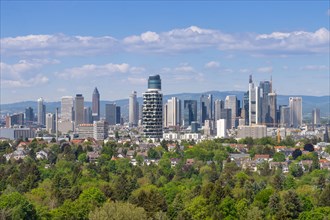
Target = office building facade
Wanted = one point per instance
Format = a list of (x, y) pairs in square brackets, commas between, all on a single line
[(189, 112), (295, 104), (41, 112), (96, 105)]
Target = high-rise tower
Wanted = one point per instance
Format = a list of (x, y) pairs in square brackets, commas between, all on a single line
[(152, 112), (295, 104), (133, 109), (41, 112), (67, 108), (79, 110), (231, 103), (189, 112), (96, 105), (206, 106), (172, 110)]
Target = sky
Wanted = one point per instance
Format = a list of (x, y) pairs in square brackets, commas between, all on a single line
[(59, 48)]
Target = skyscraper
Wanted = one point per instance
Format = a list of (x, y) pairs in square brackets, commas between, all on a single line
[(231, 103), (67, 108), (172, 110), (96, 105), (254, 103), (88, 115), (50, 122), (295, 104), (153, 109), (218, 106), (285, 116), (206, 108), (79, 110), (265, 89), (41, 112), (316, 116), (189, 112), (110, 114), (133, 110), (245, 108), (29, 115), (271, 116), (118, 115)]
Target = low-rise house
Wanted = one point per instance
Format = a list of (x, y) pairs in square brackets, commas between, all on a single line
[(174, 161), (93, 156), (190, 162), (19, 153), (171, 147), (324, 164), (130, 154), (261, 157), (279, 165), (305, 164), (279, 148), (41, 155)]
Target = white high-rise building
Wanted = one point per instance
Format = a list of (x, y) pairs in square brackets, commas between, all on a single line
[(133, 114), (316, 116), (231, 103), (50, 123), (295, 104), (254, 103), (79, 110), (221, 128), (67, 108), (41, 112), (100, 130), (172, 112)]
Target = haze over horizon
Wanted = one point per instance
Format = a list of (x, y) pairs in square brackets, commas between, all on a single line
[(53, 49)]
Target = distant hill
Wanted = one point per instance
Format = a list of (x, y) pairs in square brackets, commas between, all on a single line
[(309, 102)]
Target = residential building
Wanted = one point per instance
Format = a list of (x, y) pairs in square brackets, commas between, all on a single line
[(254, 131), (153, 109), (100, 130), (85, 131)]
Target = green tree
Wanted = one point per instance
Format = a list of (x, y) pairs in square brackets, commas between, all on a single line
[(197, 208), (279, 157), (255, 214), (15, 206), (292, 204)]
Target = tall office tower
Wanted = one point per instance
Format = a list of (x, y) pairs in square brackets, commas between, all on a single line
[(295, 104), (189, 112), (221, 128), (110, 114), (231, 103), (133, 110), (218, 106), (41, 112), (118, 115), (316, 116), (172, 112), (67, 108), (206, 108), (96, 105), (15, 119), (271, 116), (245, 108), (50, 123), (79, 110), (285, 120), (29, 115), (227, 114), (88, 115), (265, 89), (152, 113), (254, 103)]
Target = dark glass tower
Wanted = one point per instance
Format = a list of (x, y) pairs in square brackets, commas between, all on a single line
[(206, 106), (96, 105), (154, 82), (190, 112)]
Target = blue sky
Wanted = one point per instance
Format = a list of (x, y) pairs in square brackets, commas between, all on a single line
[(58, 48)]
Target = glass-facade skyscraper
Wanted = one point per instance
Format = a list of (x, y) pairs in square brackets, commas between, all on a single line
[(96, 105), (189, 112)]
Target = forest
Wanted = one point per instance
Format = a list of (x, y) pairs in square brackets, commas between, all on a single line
[(190, 181)]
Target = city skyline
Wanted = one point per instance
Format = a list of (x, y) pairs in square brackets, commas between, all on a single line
[(214, 46)]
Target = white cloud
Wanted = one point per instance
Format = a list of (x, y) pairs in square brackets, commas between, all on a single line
[(20, 83), (266, 69), (93, 70), (174, 41), (212, 64), (315, 68)]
